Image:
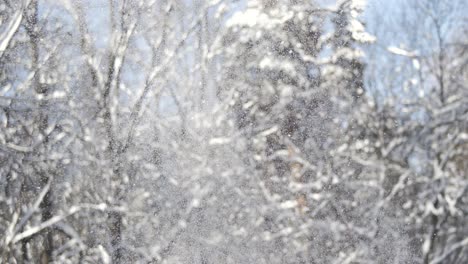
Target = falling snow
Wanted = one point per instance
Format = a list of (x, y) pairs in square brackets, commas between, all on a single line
[(250, 131)]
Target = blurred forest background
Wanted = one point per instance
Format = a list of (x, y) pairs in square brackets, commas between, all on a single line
[(252, 131)]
